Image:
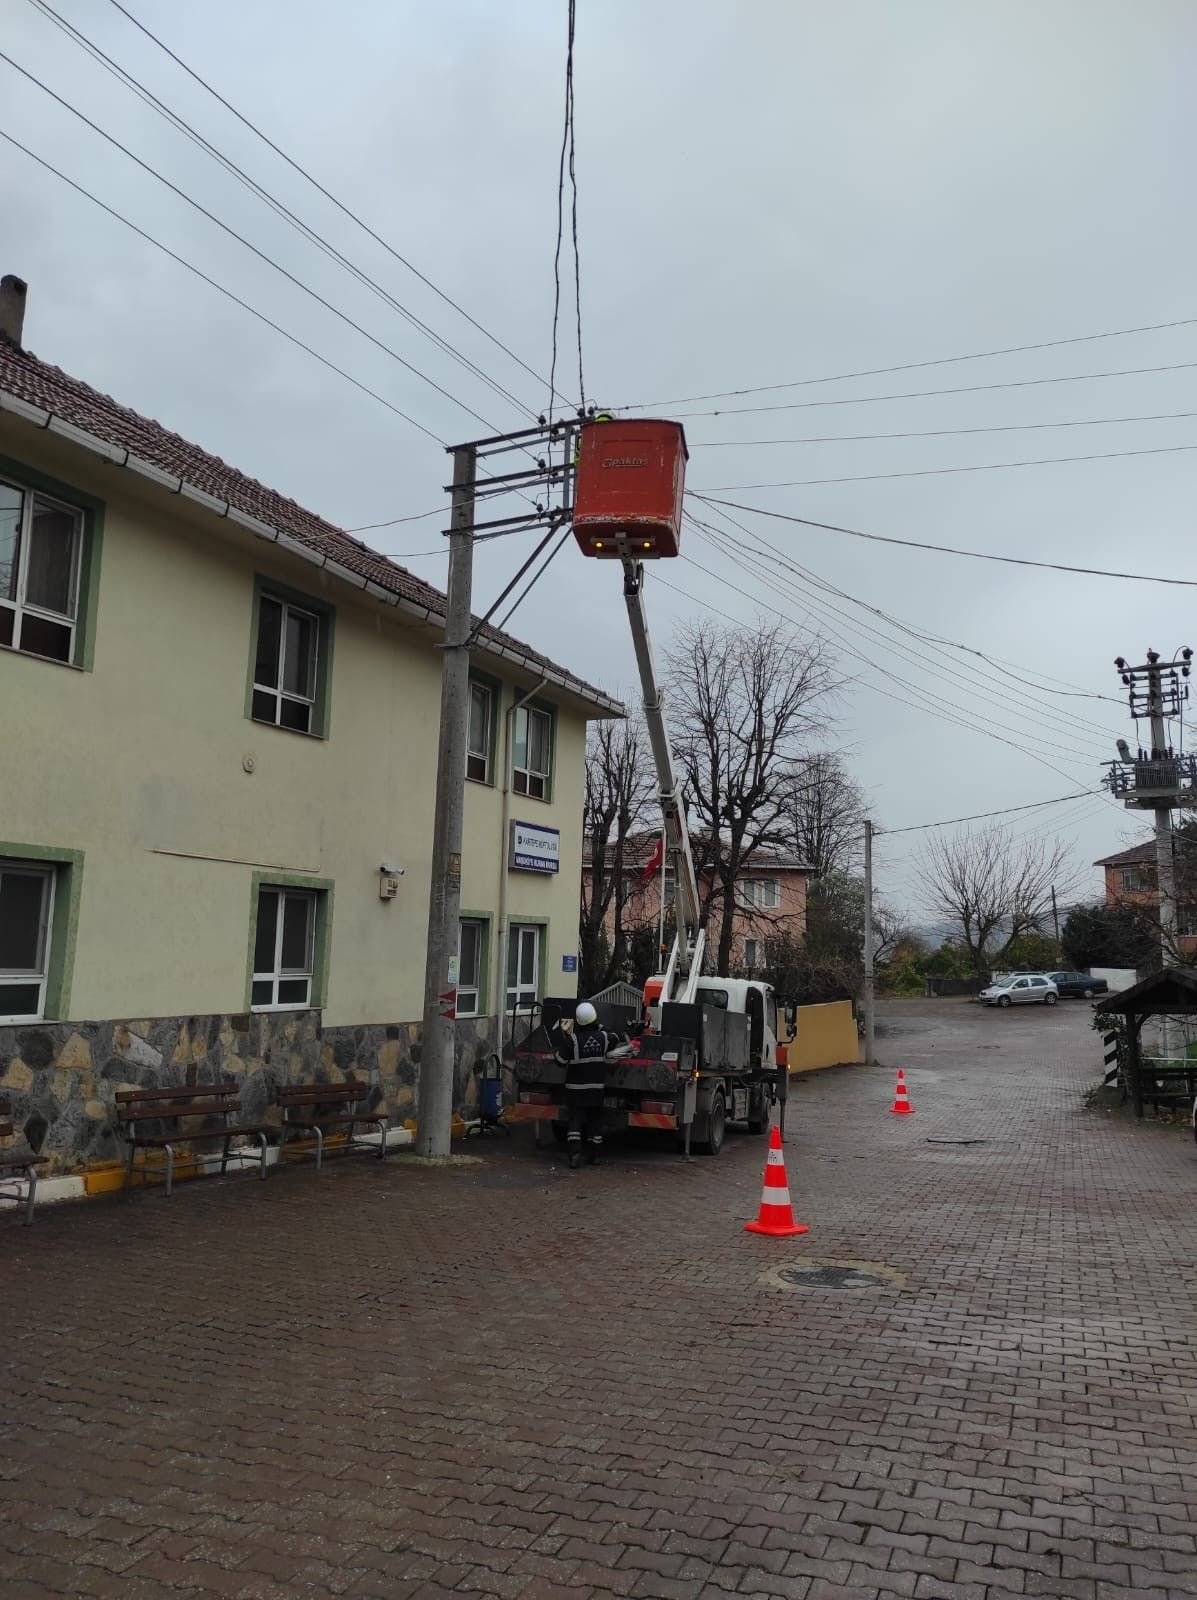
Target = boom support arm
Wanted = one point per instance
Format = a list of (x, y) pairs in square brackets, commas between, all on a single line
[(685, 961)]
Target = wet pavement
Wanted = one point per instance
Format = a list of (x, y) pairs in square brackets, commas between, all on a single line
[(973, 1378)]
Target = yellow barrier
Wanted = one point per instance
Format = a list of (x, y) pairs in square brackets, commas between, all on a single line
[(827, 1037)]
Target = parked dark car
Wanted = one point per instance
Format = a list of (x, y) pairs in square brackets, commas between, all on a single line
[(1074, 985)]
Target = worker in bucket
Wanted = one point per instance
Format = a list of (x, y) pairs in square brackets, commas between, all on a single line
[(583, 1052)]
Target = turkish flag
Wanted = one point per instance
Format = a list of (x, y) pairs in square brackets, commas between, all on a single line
[(655, 860)]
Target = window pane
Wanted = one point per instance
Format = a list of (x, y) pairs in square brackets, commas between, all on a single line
[(536, 787), (476, 768), (528, 956), (6, 624), (293, 992), (519, 781), (520, 738), (264, 939), (478, 743), (11, 500), (262, 992), (265, 706), (467, 1002), (470, 949), (41, 637), (20, 999), (297, 930), (270, 624), (295, 714), (50, 560), (22, 904), (538, 742), (299, 654)]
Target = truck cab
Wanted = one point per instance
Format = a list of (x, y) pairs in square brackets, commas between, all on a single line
[(758, 1003)]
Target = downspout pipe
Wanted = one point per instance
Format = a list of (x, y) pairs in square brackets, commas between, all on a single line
[(500, 977)]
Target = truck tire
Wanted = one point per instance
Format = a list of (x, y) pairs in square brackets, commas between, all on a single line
[(758, 1111), (709, 1130)]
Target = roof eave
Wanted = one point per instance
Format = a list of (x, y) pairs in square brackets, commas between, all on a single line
[(117, 455)]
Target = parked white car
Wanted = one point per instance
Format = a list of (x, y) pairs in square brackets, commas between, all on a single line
[(1027, 988)]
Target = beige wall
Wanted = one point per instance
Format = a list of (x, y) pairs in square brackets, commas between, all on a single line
[(140, 763)]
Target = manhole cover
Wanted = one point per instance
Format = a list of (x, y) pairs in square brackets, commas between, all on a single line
[(854, 1275)]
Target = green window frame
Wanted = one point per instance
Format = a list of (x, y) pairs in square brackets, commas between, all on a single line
[(514, 924), (480, 986), (536, 784), (86, 563), (487, 755), (316, 698), (321, 889), (67, 869)]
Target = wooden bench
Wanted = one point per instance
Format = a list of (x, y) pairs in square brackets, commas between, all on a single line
[(21, 1162), (313, 1109), (171, 1111)]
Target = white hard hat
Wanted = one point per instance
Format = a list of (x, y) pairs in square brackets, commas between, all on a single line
[(585, 1014)]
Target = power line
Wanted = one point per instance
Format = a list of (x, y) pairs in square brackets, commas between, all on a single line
[(252, 248), (535, 578), (912, 366), (923, 394), (977, 816), (937, 433), (949, 550), (181, 125), (939, 472), (567, 160), (1052, 714), (220, 288), (328, 195)]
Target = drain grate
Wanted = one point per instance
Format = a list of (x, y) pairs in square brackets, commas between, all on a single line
[(846, 1275), (959, 1141)]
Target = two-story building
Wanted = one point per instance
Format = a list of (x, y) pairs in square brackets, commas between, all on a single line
[(1131, 879), (218, 730)]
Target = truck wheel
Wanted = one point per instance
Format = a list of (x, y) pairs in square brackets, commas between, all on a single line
[(758, 1112), (713, 1127)]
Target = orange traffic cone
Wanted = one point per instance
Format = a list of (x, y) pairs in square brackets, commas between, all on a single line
[(776, 1216), (901, 1106)]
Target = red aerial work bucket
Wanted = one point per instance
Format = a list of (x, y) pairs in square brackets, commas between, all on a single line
[(628, 491)]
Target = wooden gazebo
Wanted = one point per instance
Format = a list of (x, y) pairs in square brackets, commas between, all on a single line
[(1171, 992)]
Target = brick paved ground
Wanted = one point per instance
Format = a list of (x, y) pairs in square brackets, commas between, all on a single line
[(516, 1381)]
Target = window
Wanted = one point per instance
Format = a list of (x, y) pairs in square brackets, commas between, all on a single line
[(523, 964), (762, 893), (1135, 879), (470, 967), (711, 997), (533, 753), (26, 909), (479, 733), (752, 953), (1186, 921), (285, 665), (41, 543), (284, 948)]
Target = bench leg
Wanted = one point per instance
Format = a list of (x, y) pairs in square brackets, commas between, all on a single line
[(224, 1156), (319, 1147), (384, 1129), (261, 1138), (129, 1168), (170, 1166), (30, 1196)]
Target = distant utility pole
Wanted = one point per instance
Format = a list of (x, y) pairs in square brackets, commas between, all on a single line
[(438, 1044), (870, 1054), (1157, 779), (1055, 914)]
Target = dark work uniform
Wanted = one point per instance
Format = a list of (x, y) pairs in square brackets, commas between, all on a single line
[(584, 1053)]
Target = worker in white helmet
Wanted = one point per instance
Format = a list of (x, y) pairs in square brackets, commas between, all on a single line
[(584, 1052)]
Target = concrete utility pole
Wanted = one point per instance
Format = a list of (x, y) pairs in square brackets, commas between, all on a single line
[(1165, 873), (438, 1047), (870, 1054)]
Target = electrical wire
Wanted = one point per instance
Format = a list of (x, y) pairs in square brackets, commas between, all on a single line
[(566, 161), (978, 816), (939, 472), (252, 248), (327, 193), (181, 125), (762, 549), (924, 394), (220, 288), (937, 433), (947, 550), (913, 366), (573, 184), (535, 578), (743, 559)]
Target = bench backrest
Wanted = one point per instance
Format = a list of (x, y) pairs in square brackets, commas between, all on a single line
[(191, 1100), (313, 1095)]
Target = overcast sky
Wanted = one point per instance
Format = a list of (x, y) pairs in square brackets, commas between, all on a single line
[(770, 191)]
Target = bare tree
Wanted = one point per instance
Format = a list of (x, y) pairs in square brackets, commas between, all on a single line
[(826, 814), (993, 886), (742, 703), (619, 784)]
